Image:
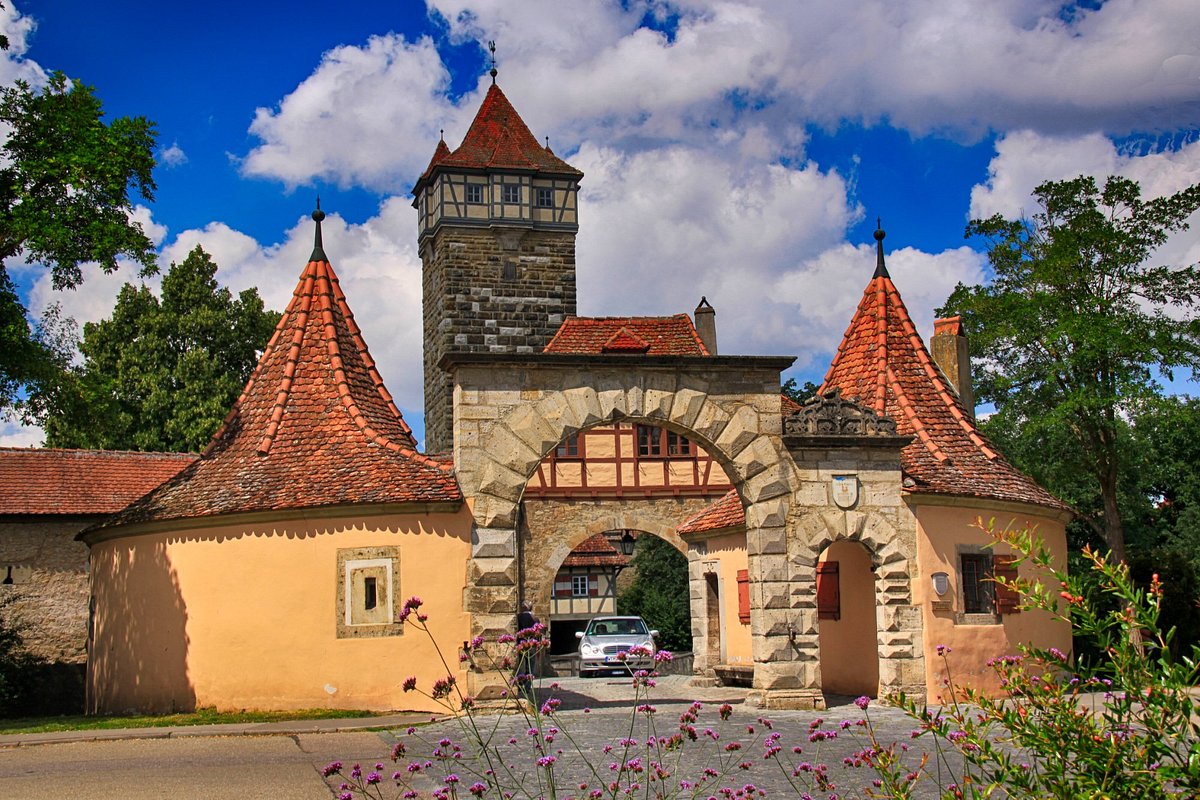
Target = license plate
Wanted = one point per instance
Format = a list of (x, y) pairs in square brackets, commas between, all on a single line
[(612, 659)]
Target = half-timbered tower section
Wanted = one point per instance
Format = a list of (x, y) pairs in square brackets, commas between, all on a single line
[(497, 219)]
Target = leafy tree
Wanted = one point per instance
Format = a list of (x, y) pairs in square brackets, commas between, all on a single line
[(797, 393), (65, 188), (659, 592), (162, 374), (1075, 322)]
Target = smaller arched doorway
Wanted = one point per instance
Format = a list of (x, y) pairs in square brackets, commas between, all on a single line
[(847, 620)]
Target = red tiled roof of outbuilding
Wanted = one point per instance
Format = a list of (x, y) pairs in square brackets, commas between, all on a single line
[(44, 481), (498, 139), (883, 363), (315, 426), (724, 513), (652, 336), (596, 551)]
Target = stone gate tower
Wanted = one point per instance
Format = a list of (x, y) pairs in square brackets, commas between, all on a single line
[(497, 219)]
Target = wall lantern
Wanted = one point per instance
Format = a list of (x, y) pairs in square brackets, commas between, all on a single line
[(627, 543), (941, 583)]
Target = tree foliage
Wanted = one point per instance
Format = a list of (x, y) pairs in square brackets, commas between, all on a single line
[(797, 393), (659, 592), (65, 201), (162, 374), (1076, 321)]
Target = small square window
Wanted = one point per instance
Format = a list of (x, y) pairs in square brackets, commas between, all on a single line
[(474, 193), (568, 447), (511, 193), (678, 445), (579, 585), (978, 588), (545, 197), (650, 441)]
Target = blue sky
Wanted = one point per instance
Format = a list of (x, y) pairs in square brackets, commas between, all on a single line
[(741, 150)]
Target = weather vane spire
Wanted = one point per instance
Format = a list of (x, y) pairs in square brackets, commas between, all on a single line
[(318, 253), (492, 48), (880, 269)]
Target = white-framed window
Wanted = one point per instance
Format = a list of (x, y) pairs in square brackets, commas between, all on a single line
[(367, 591), (474, 193), (544, 197), (511, 193), (579, 585)]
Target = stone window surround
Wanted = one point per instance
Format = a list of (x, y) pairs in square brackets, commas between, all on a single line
[(349, 559), (961, 617)]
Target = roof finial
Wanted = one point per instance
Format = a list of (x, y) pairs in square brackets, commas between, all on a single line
[(318, 253), (492, 48), (880, 269), (442, 134)]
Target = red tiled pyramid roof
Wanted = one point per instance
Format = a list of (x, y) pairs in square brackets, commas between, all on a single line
[(314, 426), (498, 139), (661, 336), (883, 363), (49, 481), (724, 513)]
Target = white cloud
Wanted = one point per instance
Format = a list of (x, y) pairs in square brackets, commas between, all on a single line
[(13, 434), (1024, 159), (825, 290), (13, 64), (367, 115), (172, 156)]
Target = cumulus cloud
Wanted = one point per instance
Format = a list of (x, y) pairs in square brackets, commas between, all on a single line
[(367, 115), (172, 156), (13, 434), (13, 63), (1025, 158)]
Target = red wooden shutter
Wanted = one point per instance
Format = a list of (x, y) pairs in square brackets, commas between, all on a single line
[(1007, 599), (829, 593), (593, 586), (743, 582)]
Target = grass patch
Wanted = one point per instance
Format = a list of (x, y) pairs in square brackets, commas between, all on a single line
[(202, 716)]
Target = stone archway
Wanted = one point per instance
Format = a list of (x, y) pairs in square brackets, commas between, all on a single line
[(511, 410)]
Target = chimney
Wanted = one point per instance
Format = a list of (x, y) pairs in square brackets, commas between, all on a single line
[(706, 325), (950, 352)]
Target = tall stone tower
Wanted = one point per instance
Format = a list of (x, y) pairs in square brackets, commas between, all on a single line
[(497, 219)]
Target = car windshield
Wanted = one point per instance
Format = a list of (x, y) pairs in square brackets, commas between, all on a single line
[(617, 627)]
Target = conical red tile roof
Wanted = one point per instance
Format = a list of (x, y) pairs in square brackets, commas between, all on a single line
[(315, 426), (498, 139), (883, 363)]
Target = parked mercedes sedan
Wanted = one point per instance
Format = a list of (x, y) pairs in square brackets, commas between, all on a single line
[(606, 642)]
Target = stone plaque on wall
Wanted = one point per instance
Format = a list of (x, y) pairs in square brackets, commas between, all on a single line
[(845, 490)]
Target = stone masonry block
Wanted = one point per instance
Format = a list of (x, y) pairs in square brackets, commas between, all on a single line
[(493, 543), (494, 512), (765, 485), (585, 404), (528, 425), (492, 572), (635, 401), (501, 445), (767, 514), (710, 423), (769, 568), (614, 404), (687, 406), (813, 493), (742, 429), (757, 457), (766, 540), (499, 480)]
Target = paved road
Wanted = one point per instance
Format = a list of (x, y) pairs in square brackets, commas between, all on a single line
[(288, 766)]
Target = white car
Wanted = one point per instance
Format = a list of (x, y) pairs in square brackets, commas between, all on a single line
[(606, 642)]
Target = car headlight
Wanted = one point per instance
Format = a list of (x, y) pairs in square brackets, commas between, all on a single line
[(589, 650)]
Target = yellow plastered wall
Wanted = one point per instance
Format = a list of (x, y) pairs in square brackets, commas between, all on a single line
[(246, 616), (730, 551), (942, 532)]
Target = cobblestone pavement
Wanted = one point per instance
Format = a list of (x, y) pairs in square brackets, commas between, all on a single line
[(598, 713)]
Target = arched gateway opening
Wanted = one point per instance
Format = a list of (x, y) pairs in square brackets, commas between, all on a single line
[(512, 411), (847, 620)]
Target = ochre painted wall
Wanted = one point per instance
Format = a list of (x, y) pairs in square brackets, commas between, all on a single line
[(730, 551), (849, 647), (942, 531), (246, 616)]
